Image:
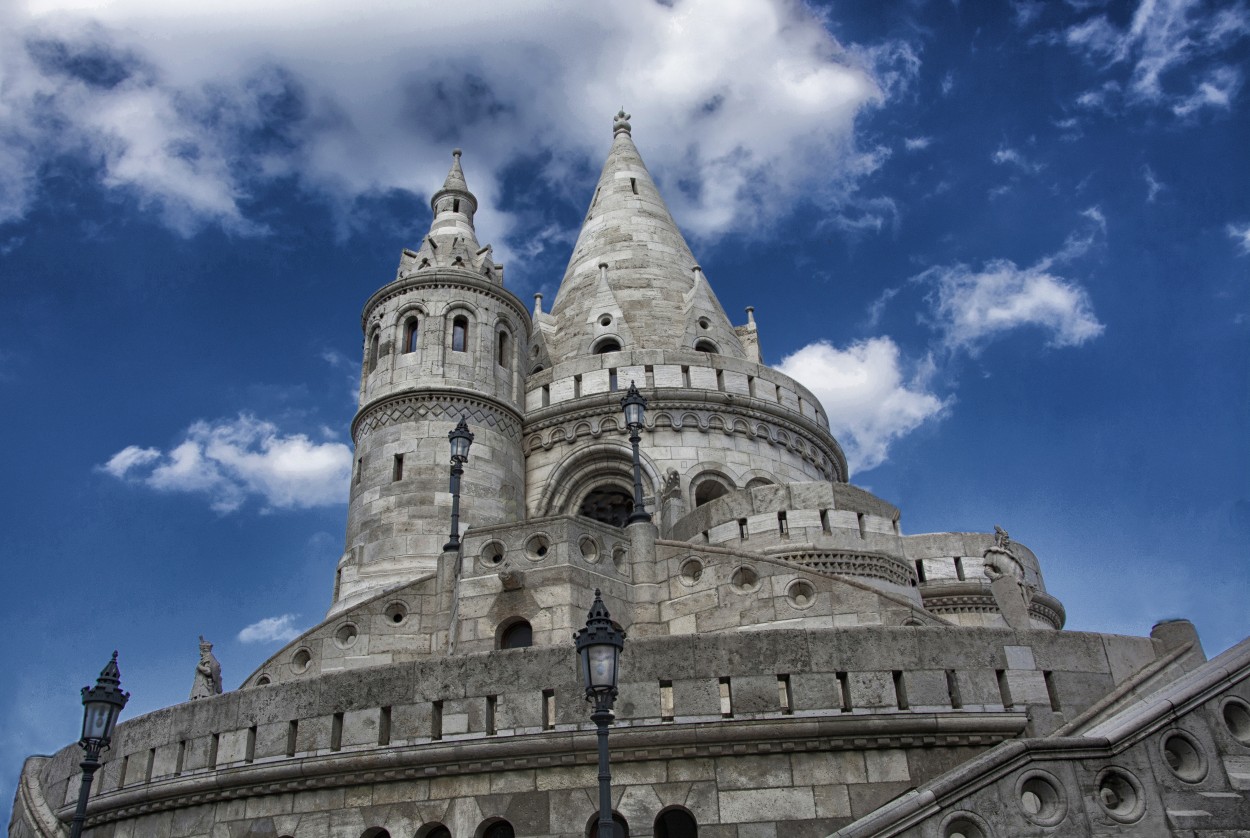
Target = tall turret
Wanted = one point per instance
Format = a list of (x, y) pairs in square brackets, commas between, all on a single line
[(444, 340)]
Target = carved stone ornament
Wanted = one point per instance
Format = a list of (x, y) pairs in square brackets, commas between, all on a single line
[(207, 673)]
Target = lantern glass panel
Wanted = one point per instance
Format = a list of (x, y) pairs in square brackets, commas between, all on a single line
[(460, 447), (633, 413), (602, 660), (97, 720)]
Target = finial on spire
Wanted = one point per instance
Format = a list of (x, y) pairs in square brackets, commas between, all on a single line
[(455, 152), (620, 123)]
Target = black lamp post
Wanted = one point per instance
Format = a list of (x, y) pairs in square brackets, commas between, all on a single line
[(599, 648), (635, 407), (101, 704), (461, 438)]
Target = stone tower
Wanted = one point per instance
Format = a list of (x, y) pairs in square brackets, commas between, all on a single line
[(444, 340)]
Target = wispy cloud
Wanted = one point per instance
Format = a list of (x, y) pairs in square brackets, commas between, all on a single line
[(871, 399), (1013, 157), (1240, 233), (193, 119), (280, 629), (917, 143), (1153, 185), (1182, 41), (229, 461)]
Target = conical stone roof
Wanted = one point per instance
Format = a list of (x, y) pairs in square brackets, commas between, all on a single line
[(632, 277)]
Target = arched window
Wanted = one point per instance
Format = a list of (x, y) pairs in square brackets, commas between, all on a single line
[(375, 832), (709, 490), (705, 346), (608, 345), (434, 830), (676, 823), (757, 482), (411, 333), (459, 333), (502, 346), (519, 635), (609, 504), (499, 829), (621, 831), (375, 347), (537, 369)]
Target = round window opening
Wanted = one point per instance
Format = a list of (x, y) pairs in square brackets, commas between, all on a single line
[(396, 613), (300, 661), (964, 827), (492, 554), (745, 580), (1041, 800), (537, 547), (691, 571), (1184, 757), (704, 323), (801, 593), (589, 548), (345, 637), (605, 320), (1237, 718), (1120, 795)]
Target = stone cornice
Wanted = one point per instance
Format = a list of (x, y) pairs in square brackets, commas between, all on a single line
[(445, 278), (852, 563), (973, 596), (493, 412), (536, 750), (671, 403)]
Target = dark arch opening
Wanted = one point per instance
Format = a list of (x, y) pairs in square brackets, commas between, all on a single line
[(375, 346), (606, 346), (757, 482), (676, 823), (502, 360), (375, 832), (518, 635), (618, 821), (705, 346), (459, 333), (434, 830), (709, 490), (499, 829), (411, 333), (609, 504)]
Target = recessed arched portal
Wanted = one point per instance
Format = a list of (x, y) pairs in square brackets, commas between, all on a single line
[(709, 490), (608, 503), (676, 823)]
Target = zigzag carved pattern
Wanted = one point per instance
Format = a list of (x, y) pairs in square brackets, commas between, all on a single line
[(416, 408), (853, 564)]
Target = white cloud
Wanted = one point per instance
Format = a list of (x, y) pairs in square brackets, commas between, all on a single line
[(1153, 185), (1011, 156), (1240, 233), (870, 400), (917, 143), (232, 460), (193, 112), (271, 630), (971, 307), (1167, 38)]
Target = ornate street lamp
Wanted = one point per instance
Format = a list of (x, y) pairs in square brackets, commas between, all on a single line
[(635, 407), (599, 648), (101, 705), (461, 438)]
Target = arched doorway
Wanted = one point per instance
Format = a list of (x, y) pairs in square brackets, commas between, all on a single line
[(618, 820), (608, 503), (676, 823)]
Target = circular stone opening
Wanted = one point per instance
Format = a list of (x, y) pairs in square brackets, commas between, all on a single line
[(1120, 795), (1184, 757), (704, 323), (964, 828), (605, 320), (300, 661), (801, 593), (537, 547), (345, 636), (589, 548), (1041, 800), (492, 554), (691, 571), (396, 612), (263, 681), (744, 580), (1237, 717)]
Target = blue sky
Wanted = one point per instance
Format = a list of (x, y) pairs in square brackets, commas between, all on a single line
[(1007, 243)]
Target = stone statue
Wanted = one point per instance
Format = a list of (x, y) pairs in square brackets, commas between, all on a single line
[(207, 673), (672, 485), (1001, 539)]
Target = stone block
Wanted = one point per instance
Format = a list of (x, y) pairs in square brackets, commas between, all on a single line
[(768, 804)]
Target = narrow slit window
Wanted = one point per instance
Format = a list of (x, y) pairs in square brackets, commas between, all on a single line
[(292, 737), (1004, 689), (900, 690), (336, 732), (577, 386), (633, 184), (800, 404), (147, 771), (121, 780), (436, 720), (726, 699), (685, 377), (720, 380), (546, 395), (751, 386), (213, 744), (459, 333), (384, 726), (952, 690), (360, 467), (411, 334), (783, 528), (666, 701), (181, 759), (375, 349), (648, 376), (503, 349), (844, 687), (959, 568), (742, 528), (492, 707), (824, 522), (1052, 692), (397, 470), (455, 205), (783, 694), (920, 571), (612, 382), (777, 391), (249, 754), (549, 709), (859, 517)]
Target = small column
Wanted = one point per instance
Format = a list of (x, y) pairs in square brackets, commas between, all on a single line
[(642, 535)]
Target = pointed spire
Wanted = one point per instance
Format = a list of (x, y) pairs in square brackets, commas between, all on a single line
[(452, 240), (649, 267)]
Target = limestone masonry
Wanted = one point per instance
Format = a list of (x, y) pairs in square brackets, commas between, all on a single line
[(796, 666)]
